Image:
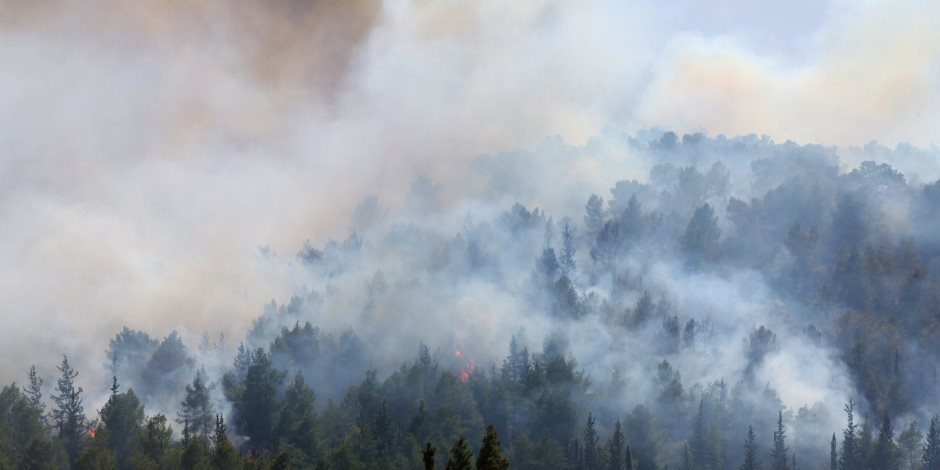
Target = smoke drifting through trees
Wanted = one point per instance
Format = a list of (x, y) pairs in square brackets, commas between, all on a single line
[(742, 284)]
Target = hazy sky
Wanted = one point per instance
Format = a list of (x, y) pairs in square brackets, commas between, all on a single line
[(149, 147)]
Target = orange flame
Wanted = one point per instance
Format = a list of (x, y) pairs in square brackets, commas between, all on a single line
[(91, 433)]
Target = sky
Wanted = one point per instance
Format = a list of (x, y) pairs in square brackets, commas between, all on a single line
[(149, 148)]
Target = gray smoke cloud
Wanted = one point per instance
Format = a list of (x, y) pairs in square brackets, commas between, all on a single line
[(151, 147)]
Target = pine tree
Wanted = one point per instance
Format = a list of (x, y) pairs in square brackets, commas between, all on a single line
[(258, 404), (850, 458), (195, 454), (780, 453), (34, 394), (833, 454), (931, 457), (461, 458), (427, 456), (97, 456), (628, 460), (156, 437), (224, 456), (866, 442), (297, 425), (698, 443), (594, 215), (122, 416), (568, 250), (490, 457), (751, 461), (196, 407), (885, 453), (40, 455), (69, 414), (242, 361), (615, 448), (590, 445), (909, 442), (701, 238)]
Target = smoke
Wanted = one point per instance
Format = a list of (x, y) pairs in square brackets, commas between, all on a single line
[(150, 148)]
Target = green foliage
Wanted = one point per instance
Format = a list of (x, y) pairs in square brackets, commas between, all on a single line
[(196, 407), (20, 425), (886, 454), (751, 459), (931, 453), (780, 453), (97, 455), (490, 456), (69, 414), (122, 417), (196, 455), (257, 405), (851, 454), (427, 456), (224, 455), (701, 237), (460, 457), (909, 444), (615, 449)]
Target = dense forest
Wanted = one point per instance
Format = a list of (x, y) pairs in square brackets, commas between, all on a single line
[(747, 304)]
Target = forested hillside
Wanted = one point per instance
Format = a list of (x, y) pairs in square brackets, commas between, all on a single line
[(746, 304)]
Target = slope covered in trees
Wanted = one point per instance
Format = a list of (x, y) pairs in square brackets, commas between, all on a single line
[(747, 305)]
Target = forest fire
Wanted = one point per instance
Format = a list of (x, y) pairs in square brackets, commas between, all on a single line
[(468, 369)]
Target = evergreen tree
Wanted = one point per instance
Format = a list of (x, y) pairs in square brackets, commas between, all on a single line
[(909, 444), (866, 442), (490, 457), (751, 460), (591, 460), (69, 414), (850, 458), (297, 425), (224, 456), (700, 240), (196, 407), (258, 404), (34, 394), (931, 456), (780, 453), (20, 424), (40, 455), (885, 455), (548, 265), (568, 250), (195, 454), (833, 454), (242, 361), (615, 448), (594, 215), (155, 437), (698, 443), (461, 458), (97, 455), (628, 459), (427, 456), (122, 416)]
